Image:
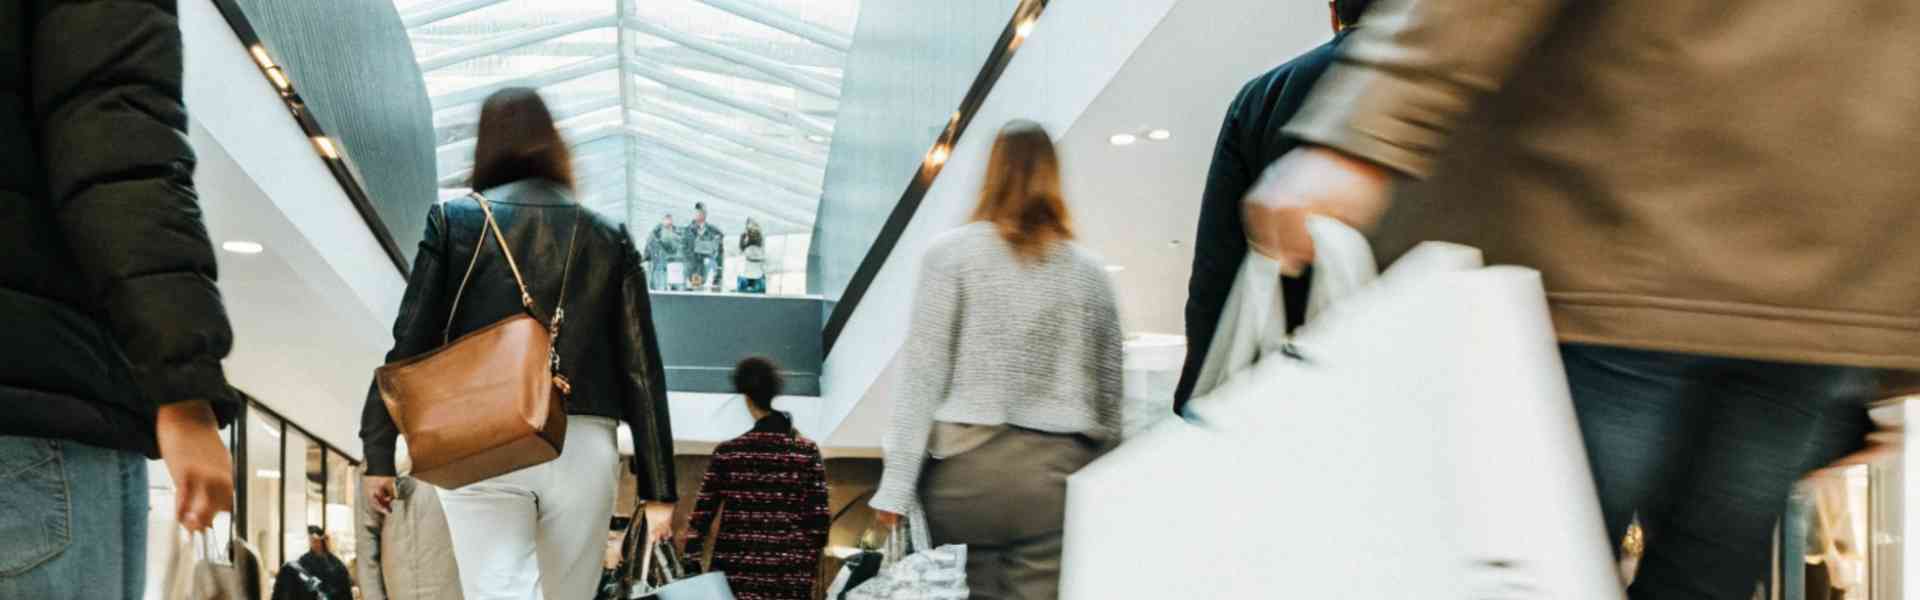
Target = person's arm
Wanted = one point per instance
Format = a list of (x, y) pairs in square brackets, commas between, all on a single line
[(644, 382), (1110, 368), (928, 372), (119, 177), (418, 328), (707, 506), (1411, 70), (1219, 245)]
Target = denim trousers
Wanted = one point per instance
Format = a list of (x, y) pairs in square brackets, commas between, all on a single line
[(73, 520), (1705, 451)]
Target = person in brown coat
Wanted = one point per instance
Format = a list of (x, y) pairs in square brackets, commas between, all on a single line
[(1719, 197)]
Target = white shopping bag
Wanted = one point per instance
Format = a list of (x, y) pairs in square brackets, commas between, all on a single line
[(676, 274), (1414, 439)]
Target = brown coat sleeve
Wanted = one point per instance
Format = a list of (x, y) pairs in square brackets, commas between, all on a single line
[(1411, 69)]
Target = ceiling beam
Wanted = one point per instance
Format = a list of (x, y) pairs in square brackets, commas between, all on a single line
[(712, 187), (535, 80), (776, 69), (503, 43), (740, 168), (694, 121), (716, 94), (443, 11), (785, 22)]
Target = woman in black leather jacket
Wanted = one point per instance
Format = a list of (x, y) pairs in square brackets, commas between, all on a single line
[(544, 526)]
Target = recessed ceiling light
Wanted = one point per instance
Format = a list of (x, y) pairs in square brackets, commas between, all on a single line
[(267, 474), (242, 247), (1122, 139), (1174, 243), (817, 138), (1159, 134), (1115, 268)]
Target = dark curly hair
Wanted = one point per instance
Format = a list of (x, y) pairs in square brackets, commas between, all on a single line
[(759, 380), (1349, 11)]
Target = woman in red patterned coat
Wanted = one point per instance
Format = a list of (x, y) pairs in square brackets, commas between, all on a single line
[(767, 492)]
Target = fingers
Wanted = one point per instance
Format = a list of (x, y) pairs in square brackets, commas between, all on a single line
[(1280, 233), (382, 495), (200, 498)]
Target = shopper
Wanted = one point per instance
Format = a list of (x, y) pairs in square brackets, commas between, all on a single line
[(707, 249), (664, 253), (540, 529), (114, 327), (762, 514), (1250, 139), (316, 575), (406, 552), (1010, 391), (753, 247), (1724, 246)]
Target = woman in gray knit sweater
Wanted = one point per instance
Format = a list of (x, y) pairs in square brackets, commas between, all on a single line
[(1012, 380)]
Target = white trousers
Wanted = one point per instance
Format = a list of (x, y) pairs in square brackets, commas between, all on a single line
[(542, 529)]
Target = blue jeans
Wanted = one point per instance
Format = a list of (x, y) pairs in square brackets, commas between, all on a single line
[(1705, 450), (73, 520)]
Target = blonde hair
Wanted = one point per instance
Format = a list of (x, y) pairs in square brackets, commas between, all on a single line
[(1021, 195)]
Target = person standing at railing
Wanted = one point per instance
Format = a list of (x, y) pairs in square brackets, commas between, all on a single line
[(114, 329), (753, 247), (707, 250), (665, 254)]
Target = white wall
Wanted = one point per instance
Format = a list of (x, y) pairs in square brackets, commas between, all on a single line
[(311, 313)]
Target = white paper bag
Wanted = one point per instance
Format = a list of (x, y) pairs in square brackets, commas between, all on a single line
[(1414, 439), (676, 274)]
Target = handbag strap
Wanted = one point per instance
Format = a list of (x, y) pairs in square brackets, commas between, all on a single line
[(526, 297)]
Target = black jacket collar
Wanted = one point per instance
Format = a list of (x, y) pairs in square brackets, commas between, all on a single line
[(777, 422), (538, 192)]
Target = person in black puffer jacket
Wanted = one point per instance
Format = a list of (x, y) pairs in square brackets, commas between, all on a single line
[(111, 328)]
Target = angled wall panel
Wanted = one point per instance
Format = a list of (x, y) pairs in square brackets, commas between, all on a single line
[(353, 64)]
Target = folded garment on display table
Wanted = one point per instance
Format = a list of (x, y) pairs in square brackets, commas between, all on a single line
[(1415, 438)]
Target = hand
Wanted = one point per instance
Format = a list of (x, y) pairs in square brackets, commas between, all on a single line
[(201, 468), (886, 519), (381, 492), (1312, 180), (1883, 446), (659, 517)]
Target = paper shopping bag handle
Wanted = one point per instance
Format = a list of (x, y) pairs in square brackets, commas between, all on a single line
[(1342, 263)]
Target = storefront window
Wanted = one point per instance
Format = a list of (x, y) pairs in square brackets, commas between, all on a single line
[(293, 490), (263, 487), (341, 490)]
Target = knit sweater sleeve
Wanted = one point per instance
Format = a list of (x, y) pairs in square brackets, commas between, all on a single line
[(1109, 368), (927, 374), (816, 516)]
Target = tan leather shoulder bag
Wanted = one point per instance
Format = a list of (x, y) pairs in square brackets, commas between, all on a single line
[(492, 402)]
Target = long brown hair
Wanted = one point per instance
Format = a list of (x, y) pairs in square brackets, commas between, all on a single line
[(518, 141), (1021, 195)]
